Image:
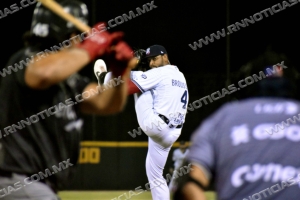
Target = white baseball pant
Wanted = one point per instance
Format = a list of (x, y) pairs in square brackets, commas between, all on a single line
[(161, 139)]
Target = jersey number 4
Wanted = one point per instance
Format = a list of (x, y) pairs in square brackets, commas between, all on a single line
[(184, 99)]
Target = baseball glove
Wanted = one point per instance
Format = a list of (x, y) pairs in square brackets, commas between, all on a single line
[(143, 65)]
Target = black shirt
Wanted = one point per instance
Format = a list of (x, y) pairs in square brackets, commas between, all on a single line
[(40, 140)]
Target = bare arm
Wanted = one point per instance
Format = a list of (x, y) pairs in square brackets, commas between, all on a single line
[(55, 68), (190, 190)]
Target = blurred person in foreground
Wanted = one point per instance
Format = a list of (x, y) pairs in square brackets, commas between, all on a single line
[(41, 105), (240, 149)]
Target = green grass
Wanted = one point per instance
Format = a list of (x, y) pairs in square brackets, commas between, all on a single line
[(108, 195)]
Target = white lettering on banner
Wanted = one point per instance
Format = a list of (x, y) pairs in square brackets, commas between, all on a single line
[(268, 173)]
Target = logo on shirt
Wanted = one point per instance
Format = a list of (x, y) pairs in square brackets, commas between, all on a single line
[(144, 76), (242, 134), (271, 172), (148, 51)]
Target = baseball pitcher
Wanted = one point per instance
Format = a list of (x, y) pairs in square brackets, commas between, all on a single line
[(160, 109)]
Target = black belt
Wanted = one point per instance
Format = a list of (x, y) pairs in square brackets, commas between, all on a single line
[(166, 120)]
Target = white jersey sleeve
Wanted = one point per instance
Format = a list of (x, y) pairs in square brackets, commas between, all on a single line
[(146, 80)]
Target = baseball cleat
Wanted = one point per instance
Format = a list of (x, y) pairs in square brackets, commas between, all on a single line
[(99, 68)]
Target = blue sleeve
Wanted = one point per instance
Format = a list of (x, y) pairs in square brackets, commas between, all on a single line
[(202, 150)]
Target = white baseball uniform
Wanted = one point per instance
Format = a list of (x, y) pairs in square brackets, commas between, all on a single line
[(165, 92), (178, 158)]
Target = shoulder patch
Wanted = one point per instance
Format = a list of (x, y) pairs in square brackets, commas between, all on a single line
[(144, 76)]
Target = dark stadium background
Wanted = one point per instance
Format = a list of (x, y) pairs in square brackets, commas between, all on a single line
[(173, 24)]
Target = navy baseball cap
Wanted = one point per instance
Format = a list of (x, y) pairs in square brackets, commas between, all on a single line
[(155, 50)]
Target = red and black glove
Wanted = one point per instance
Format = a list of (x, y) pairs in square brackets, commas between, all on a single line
[(119, 58), (100, 42)]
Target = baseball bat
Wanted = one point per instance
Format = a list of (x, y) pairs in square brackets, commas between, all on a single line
[(58, 9)]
